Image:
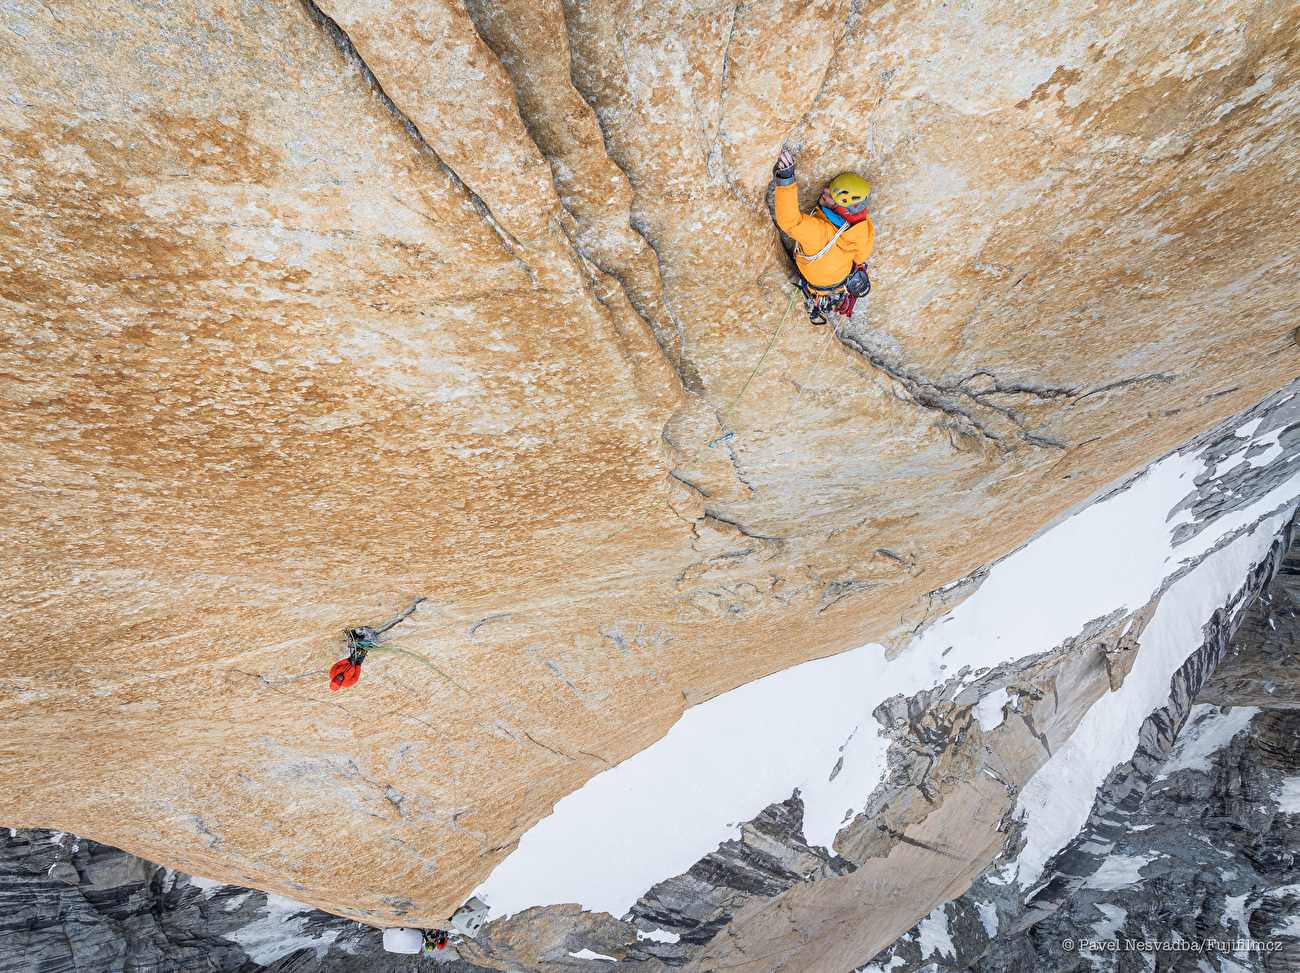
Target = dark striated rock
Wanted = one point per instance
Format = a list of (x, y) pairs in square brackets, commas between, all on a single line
[(1214, 850), (70, 905), (994, 921), (770, 856)]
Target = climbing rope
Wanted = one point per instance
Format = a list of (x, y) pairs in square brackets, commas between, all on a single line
[(830, 332), (346, 672), (419, 658)]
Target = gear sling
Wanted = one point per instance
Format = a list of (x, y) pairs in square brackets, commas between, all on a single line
[(840, 297)]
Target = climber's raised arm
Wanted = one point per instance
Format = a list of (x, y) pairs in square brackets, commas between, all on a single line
[(810, 233)]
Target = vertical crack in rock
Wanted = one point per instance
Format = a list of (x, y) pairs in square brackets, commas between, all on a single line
[(531, 41), (349, 51)]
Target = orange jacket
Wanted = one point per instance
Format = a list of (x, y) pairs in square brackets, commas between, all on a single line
[(811, 233)]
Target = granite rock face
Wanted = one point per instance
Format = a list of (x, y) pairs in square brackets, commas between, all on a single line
[(1194, 837), (309, 310)]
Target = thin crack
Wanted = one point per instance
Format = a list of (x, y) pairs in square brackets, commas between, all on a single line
[(710, 515), (928, 847), (545, 747), (303, 699), (1137, 380), (940, 398), (726, 65), (740, 474), (344, 43)]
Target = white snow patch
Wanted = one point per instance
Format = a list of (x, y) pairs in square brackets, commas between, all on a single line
[(991, 710), (684, 793), (1119, 872), (1273, 451), (208, 886), (1288, 798), (1105, 928), (585, 953), (934, 936), (1234, 912), (1290, 928), (1206, 732), (989, 917), (1282, 891), (280, 932), (1056, 801), (894, 961), (658, 936)]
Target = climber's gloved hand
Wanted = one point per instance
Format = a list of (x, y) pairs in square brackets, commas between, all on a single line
[(784, 169)]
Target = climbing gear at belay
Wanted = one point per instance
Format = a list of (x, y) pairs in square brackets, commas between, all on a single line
[(839, 298), (411, 941), (345, 673), (435, 939), (361, 640)]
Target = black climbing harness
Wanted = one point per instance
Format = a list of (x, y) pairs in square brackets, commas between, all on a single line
[(837, 298)]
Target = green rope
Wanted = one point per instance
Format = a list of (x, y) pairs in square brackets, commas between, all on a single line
[(653, 507), (418, 658), (722, 423)]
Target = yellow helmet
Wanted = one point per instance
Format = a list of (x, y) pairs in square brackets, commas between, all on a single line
[(850, 191)]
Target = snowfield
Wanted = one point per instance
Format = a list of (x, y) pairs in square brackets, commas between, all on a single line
[(730, 757)]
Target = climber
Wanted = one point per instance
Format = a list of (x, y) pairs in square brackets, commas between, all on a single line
[(833, 244)]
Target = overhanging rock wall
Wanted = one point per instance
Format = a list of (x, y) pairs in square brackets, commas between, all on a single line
[(1130, 861), (1001, 754), (311, 311)]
